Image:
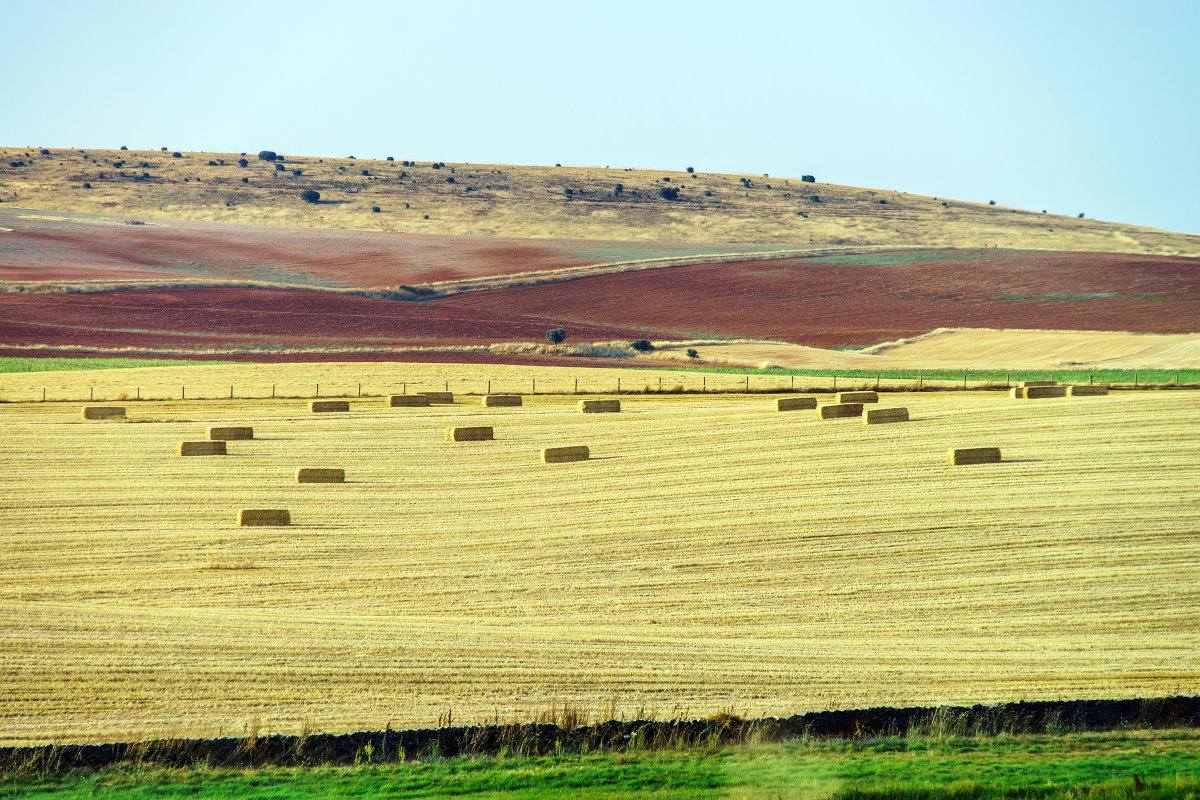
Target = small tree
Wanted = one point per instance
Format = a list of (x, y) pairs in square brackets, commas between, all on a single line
[(668, 193), (690, 169), (641, 345), (556, 336), (310, 196), (691, 353), (243, 162), (266, 155), (807, 179)]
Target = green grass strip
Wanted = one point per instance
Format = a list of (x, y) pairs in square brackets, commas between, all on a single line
[(58, 364), (1121, 376), (1049, 767)]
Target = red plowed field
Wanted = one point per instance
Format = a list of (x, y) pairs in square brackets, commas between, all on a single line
[(863, 300), (197, 318)]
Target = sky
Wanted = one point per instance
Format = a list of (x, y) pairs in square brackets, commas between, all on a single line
[(1072, 107)]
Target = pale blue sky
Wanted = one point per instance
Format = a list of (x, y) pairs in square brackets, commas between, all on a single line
[(1067, 106)]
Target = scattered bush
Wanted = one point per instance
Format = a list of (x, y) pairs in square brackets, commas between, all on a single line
[(425, 217), (309, 195), (450, 179), (883, 202), (45, 152), (374, 209), (163, 149), (1081, 215), (245, 180), (641, 345), (87, 186), (556, 336), (389, 158), (266, 155), (366, 172), (177, 154), (707, 193), (991, 202), (668, 193), (618, 189), (123, 147), (144, 164), (297, 172), (243, 162), (278, 167), (691, 353), (666, 180), (807, 179), (212, 163), (690, 170), (816, 198), (568, 191), (558, 165), (16, 163)]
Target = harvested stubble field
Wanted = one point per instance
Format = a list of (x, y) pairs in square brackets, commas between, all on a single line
[(713, 555)]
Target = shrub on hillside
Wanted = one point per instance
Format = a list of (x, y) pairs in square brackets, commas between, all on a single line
[(177, 154), (309, 195), (808, 179), (691, 353), (266, 155), (375, 209), (690, 170), (123, 147), (243, 162), (668, 193), (641, 345), (556, 336)]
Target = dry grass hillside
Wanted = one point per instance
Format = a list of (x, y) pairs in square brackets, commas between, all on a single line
[(539, 202), (712, 556)]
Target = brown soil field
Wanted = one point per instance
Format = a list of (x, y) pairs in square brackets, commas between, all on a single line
[(531, 202), (712, 556), (867, 299), (264, 319)]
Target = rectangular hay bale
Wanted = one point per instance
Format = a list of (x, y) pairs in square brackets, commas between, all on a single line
[(438, 397), (231, 433), (319, 406), (973, 455), (1027, 384), (599, 406), (1039, 392), (320, 475), (408, 401), (875, 416), (216, 448), (1086, 391), (858, 397), (477, 433), (795, 403), (840, 410), (103, 412), (264, 516), (559, 455), (502, 400), (1017, 393)]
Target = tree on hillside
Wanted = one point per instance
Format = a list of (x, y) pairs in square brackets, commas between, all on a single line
[(266, 155), (556, 336), (310, 196), (641, 345)]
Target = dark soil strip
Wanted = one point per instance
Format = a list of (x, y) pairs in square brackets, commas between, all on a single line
[(1049, 717)]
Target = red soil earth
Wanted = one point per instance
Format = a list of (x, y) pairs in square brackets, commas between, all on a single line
[(262, 318), (45, 246), (863, 300)]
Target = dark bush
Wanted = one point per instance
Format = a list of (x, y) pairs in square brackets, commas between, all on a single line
[(145, 174), (808, 179), (436, 165), (297, 172), (668, 193), (707, 193), (558, 165), (245, 180), (641, 345), (389, 158), (309, 195), (425, 217), (374, 209), (87, 186), (45, 152), (163, 149), (243, 162), (815, 199), (16, 163), (278, 167), (177, 154), (450, 179), (556, 336), (991, 202), (690, 170), (618, 189), (568, 191), (691, 353), (212, 163), (883, 202), (666, 180), (1081, 215), (266, 155), (366, 172), (123, 147)]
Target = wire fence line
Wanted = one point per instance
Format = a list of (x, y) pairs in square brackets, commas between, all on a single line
[(14, 390)]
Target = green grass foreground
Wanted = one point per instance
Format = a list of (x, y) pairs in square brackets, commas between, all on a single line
[(1076, 766)]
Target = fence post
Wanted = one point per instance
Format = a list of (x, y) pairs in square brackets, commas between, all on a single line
[(1135, 379), (835, 383), (704, 383), (793, 381), (272, 391), (183, 392), (964, 379), (139, 393), (1007, 380), (43, 394), (577, 386), (489, 391), (1089, 379), (231, 391), (317, 393), (447, 386), (534, 389), (747, 383), (618, 385), (877, 381), (91, 393), (360, 388)]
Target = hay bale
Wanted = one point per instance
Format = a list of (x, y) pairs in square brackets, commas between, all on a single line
[(876, 416), (1039, 392), (229, 434), (320, 475), (478, 433), (1086, 391), (103, 412), (599, 406), (840, 410), (438, 397), (319, 406), (216, 448), (795, 403), (502, 400), (973, 455), (408, 401), (264, 516), (1027, 384), (858, 397), (1017, 393), (559, 455)]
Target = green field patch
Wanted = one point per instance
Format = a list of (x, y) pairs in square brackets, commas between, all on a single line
[(60, 364), (1163, 377), (902, 258)]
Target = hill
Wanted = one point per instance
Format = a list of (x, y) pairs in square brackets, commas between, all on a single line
[(596, 203)]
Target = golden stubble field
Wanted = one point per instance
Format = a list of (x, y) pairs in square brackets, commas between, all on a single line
[(713, 555), (533, 201)]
